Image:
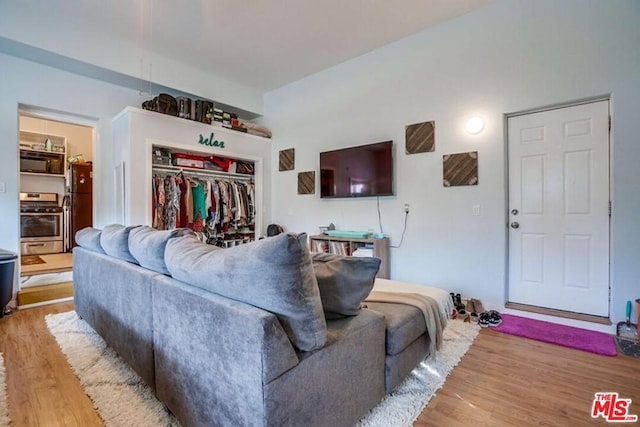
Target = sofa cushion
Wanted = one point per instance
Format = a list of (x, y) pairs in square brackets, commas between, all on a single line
[(274, 274), (344, 282), (146, 245), (403, 324), (114, 240), (89, 238)]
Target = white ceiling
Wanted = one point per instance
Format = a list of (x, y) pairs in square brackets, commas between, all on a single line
[(256, 43)]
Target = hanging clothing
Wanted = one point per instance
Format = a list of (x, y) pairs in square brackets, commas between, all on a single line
[(199, 205), (172, 202), (204, 204), (183, 185)]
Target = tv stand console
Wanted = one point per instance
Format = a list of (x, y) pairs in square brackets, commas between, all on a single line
[(348, 245)]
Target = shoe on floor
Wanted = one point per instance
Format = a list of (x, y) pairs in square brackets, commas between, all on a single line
[(478, 306), (470, 306), (458, 302), (494, 318), (483, 320), (473, 317)]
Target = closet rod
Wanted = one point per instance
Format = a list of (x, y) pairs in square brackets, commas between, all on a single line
[(172, 170)]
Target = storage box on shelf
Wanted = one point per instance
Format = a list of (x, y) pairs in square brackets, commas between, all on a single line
[(354, 246), (188, 160), (163, 156)]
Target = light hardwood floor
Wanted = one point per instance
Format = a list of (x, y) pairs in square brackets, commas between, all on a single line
[(53, 263), (502, 381), (505, 380), (42, 389)]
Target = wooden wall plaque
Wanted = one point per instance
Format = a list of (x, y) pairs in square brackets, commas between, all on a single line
[(420, 137), (307, 182), (460, 169), (287, 159)]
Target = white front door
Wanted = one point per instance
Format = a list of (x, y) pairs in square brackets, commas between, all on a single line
[(559, 209)]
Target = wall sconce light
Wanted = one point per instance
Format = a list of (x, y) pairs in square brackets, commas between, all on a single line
[(474, 125)]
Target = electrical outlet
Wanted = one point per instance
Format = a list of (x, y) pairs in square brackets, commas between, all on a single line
[(406, 208), (475, 210)]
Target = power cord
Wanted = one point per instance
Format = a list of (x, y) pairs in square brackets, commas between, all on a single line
[(406, 215), (404, 229), (379, 217)]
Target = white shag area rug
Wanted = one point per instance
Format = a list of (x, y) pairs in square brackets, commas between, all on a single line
[(4, 406), (122, 399), (405, 404)]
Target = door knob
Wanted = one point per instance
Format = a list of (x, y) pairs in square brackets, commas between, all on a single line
[(514, 224)]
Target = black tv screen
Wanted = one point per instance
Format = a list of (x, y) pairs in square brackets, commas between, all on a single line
[(365, 170)]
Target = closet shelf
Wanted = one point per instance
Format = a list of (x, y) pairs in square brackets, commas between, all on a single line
[(201, 172)]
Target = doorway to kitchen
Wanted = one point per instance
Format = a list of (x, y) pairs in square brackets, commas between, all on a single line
[(56, 199)]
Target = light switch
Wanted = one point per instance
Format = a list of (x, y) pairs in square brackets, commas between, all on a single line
[(2, 187), (476, 210)]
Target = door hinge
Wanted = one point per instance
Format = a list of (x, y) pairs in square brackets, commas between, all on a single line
[(609, 209), (609, 122)]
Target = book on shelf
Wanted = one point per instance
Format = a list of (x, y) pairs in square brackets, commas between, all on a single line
[(340, 248), (320, 246)]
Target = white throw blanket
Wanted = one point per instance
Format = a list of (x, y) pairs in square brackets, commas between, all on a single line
[(441, 296), (434, 303)]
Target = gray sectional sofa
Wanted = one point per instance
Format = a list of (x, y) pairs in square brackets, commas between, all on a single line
[(253, 335)]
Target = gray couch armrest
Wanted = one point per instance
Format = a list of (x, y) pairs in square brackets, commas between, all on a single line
[(213, 355), (336, 385)]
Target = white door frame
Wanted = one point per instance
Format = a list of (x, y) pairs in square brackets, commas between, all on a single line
[(583, 101)]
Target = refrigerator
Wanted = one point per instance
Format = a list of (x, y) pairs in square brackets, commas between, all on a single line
[(79, 201)]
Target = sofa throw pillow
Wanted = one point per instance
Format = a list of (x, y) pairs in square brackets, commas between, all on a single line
[(274, 274), (89, 238), (344, 282), (146, 245), (114, 240)]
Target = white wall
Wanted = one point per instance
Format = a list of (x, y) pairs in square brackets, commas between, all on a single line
[(507, 57), (28, 83)]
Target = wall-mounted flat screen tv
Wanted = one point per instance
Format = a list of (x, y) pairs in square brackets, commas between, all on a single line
[(365, 170)]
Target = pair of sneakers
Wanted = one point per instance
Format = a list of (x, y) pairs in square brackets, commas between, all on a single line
[(489, 319)]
